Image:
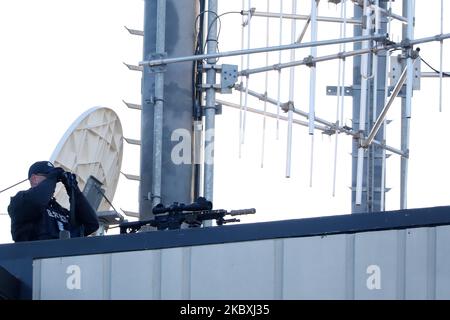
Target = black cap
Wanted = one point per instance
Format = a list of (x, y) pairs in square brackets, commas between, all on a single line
[(40, 167)]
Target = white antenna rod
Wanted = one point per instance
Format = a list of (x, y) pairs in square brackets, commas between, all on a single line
[(340, 93), (312, 84), (291, 95), (247, 78), (362, 109), (440, 59), (311, 161), (312, 69), (279, 72), (241, 93), (265, 90)]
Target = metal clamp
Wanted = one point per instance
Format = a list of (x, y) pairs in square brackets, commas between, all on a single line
[(287, 106), (159, 67), (309, 61)]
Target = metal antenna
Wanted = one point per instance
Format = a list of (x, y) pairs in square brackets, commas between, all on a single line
[(266, 83), (280, 36), (341, 94), (312, 85), (247, 77), (291, 96), (372, 49), (241, 93)]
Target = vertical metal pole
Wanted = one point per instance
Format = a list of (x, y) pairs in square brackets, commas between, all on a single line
[(362, 111), (197, 140), (441, 49), (312, 85), (408, 32), (159, 104), (266, 84), (372, 150), (383, 155), (279, 72), (291, 95), (312, 70), (340, 95), (375, 75), (210, 109), (247, 77), (367, 166), (241, 92)]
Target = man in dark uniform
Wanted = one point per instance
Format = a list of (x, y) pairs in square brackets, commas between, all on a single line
[(35, 214)]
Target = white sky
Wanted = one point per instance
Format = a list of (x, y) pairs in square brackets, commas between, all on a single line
[(60, 58)]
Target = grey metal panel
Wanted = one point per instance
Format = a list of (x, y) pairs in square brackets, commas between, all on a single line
[(37, 275), (376, 262), (233, 271), (315, 268), (72, 278), (175, 273), (411, 264), (416, 264), (443, 262), (134, 275)]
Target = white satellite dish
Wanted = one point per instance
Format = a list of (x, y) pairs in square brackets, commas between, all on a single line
[(92, 146)]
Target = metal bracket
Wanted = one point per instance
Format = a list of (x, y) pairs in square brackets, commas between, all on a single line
[(309, 61), (160, 67), (251, 12), (333, 91), (287, 106), (217, 107), (215, 86), (397, 63), (406, 43), (228, 77)]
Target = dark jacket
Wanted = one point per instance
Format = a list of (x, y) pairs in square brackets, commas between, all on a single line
[(35, 214)]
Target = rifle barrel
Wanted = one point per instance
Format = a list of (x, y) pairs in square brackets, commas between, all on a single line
[(242, 212)]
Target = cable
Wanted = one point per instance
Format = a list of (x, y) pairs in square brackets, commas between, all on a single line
[(13, 185), (437, 71), (109, 202), (219, 29)]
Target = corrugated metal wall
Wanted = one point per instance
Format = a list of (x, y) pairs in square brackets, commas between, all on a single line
[(394, 264)]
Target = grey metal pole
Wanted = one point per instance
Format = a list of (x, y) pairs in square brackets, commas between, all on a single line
[(291, 97), (300, 17), (408, 33), (273, 115), (441, 51), (382, 116), (210, 108), (159, 104), (362, 108), (157, 62), (306, 61)]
